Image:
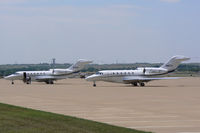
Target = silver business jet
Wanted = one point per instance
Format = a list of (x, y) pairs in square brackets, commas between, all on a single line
[(140, 75), (48, 76)]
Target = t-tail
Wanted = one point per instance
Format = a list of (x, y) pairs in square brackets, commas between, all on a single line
[(174, 62), (79, 65)]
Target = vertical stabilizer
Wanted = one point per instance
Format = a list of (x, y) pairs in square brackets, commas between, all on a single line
[(173, 63)]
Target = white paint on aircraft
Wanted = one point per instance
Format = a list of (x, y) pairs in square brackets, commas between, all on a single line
[(48, 76), (140, 75)]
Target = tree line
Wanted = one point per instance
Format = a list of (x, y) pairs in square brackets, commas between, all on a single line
[(10, 69)]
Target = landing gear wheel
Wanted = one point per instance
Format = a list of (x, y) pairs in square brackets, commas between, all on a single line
[(94, 85), (12, 83), (49, 82), (142, 84), (135, 84), (28, 82)]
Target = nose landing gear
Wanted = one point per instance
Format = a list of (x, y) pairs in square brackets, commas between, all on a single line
[(94, 84)]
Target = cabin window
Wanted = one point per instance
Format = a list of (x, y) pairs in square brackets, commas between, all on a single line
[(113, 73), (125, 73)]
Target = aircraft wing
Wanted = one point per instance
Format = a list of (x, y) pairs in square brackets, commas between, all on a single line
[(45, 78), (131, 79)]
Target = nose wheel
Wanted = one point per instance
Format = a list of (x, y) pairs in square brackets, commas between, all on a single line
[(12, 83), (94, 84)]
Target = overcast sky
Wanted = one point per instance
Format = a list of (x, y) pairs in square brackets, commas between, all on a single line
[(106, 31)]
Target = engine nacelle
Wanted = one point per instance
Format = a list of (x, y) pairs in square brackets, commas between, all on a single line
[(59, 71), (155, 71), (152, 71)]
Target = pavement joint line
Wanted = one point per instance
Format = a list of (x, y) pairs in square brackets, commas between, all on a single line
[(142, 127), (136, 117), (188, 132), (122, 121)]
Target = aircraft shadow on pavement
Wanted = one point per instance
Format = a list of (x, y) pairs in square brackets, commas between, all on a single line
[(131, 86)]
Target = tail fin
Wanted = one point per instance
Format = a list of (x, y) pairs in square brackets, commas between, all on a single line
[(173, 63), (79, 65)]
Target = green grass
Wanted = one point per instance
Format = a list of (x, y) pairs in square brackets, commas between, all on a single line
[(15, 119)]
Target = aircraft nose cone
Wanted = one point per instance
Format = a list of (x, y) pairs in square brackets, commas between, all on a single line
[(90, 78), (8, 77)]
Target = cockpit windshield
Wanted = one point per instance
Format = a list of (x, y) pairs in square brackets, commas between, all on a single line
[(17, 73), (97, 73)]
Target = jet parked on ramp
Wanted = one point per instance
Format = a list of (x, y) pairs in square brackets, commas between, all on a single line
[(140, 75), (47, 76)]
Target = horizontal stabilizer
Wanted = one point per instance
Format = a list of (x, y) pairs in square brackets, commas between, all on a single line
[(173, 63), (79, 65)]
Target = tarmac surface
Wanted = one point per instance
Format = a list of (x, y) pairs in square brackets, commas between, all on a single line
[(167, 106)]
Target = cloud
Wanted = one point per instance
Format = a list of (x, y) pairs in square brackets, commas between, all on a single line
[(171, 1)]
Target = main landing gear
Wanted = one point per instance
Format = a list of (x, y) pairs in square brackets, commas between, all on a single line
[(49, 82), (142, 84), (136, 84), (12, 82)]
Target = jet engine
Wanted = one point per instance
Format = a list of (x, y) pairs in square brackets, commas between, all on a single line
[(151, 71), (154, 71)]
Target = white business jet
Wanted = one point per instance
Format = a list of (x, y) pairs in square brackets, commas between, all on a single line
[(138, 76), (48, 76)]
